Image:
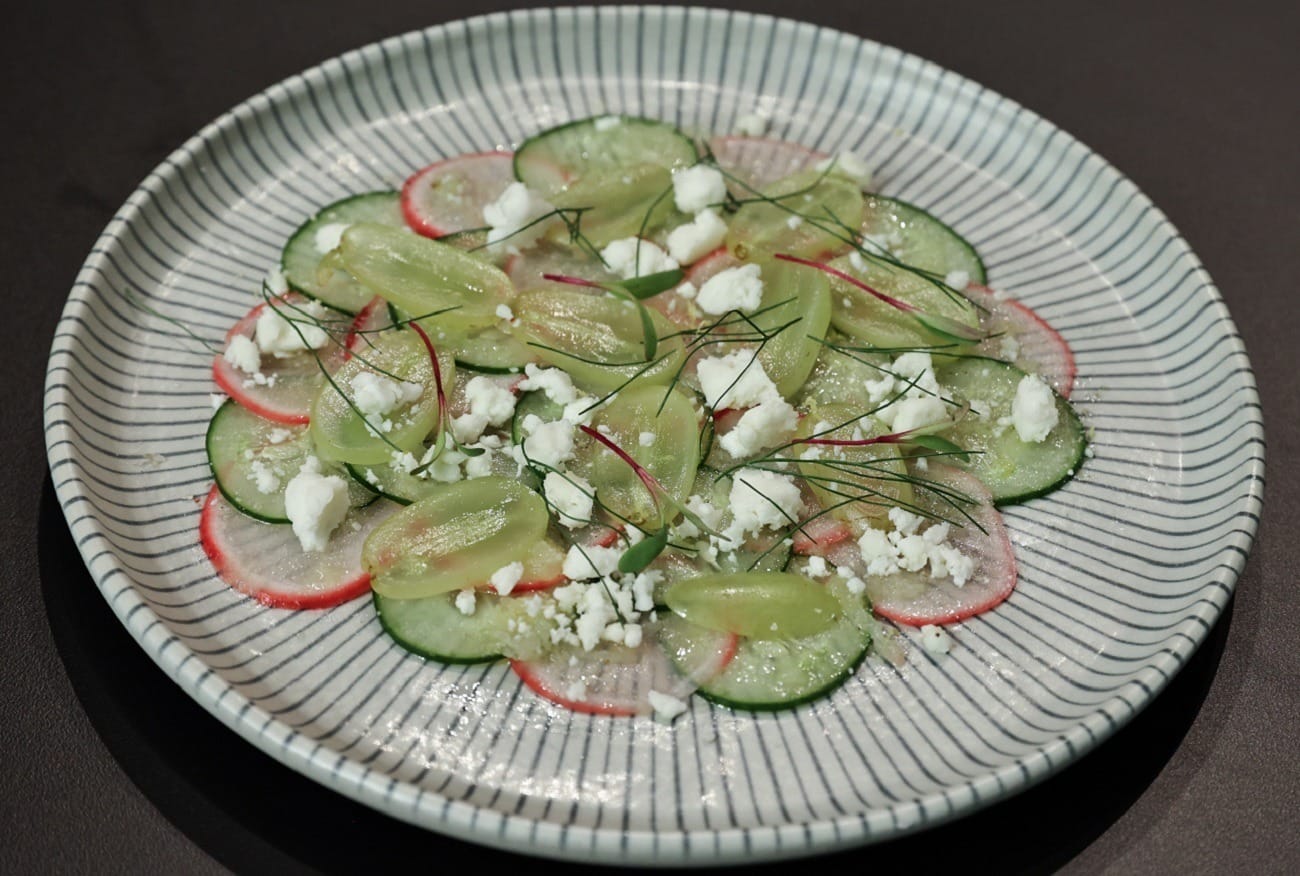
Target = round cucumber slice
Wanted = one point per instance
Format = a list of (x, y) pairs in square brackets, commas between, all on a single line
[(771, 674), (1014, 470), (319, 236), (253, 459), (551, 161)]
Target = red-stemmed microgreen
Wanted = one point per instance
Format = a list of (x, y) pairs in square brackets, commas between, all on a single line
[(936, 323), (443, 429), (632, 291)]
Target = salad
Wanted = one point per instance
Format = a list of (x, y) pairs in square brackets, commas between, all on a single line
[(645, 414)]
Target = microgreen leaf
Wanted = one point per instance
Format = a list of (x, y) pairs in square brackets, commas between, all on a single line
[(643, 553), (939, 445), (651, 285)]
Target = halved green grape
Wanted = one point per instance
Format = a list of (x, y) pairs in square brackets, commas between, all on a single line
[(622, 202), (421, 276), (788, 221), (342, 434), (455, 538), (671, 455), (792, 292), (598, 339), (757, 605), (316, 271)]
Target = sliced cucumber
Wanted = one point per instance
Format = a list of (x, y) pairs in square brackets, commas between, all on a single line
[(917, 242), (1013, 470), (770, 674), (493, 350), (303, 256), (838, 378), (436, 629), (551, 161), (248, 453)]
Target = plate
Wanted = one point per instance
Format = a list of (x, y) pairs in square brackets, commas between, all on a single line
[(1122, 572)]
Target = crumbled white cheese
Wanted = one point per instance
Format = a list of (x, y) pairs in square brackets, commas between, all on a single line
[(606, 123), (957, 279), (634, 257), (767, 424), (905, 521), (917, 413), (283, 335), (217, 399), (576, 691), (761, 498), (315, 504), (465, 602), (513, 217), (550, 444), (329, 236), (816, 567), (264, 478), (698, 188), (646, 439), (376, 395), (855, 585), (908, 548), (503, 311), (490, 404), (242, 352), (666, 706), (687, 290), (847, 165), (697, 238), (1033, 411), (275, 281), (582, 563), (935, 639), (1009, 349), (739, 288), (793, 222), (556, 383), (572, 497), (736, 380), (503, 580)]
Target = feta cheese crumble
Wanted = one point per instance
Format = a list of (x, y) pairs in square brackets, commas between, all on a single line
[(847, 165), (935, 639), (490, 404), (376, 395), (572, 497), (513, 217), (697, 188), (242, 353), (690, 242), (1033, 411), (667, 707), (315, 505), (503, 580), (739, 288), (634, 257), (278, 335), (328, 237)]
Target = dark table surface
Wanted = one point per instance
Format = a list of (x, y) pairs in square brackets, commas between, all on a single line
[(105, 766)]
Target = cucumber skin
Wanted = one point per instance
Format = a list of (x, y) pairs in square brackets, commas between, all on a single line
[(233, 500), (623, 119), (378, 601), (831, 686), (307, 226), (982, 276)]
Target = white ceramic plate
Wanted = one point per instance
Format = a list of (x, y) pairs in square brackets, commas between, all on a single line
[(1122, 572)]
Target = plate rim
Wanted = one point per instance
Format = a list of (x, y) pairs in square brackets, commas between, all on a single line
[(464, 821)]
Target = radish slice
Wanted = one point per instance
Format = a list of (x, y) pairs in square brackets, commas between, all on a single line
[(373, 318), (543, 569), (914, 598), (449, 196), (760, 161), (287, 385), (617, 680), (265, 561), (1042, 350), (819, 535)]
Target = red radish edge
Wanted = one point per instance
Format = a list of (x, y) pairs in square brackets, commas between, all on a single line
[(1069, 370), (410, 211), (535, 684), (344, 592)]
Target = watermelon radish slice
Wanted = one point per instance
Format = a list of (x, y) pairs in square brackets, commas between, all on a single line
[(761, 161), (617, 680), (265, 561), (285, 391), (449, 196), (1042, 350), (914, 598)]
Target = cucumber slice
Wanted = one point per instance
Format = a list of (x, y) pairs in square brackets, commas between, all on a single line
[(921, 240), (549, 162), (248, 452), (809, 196), (436, 629), (492, 350), (302, 257), (918, 242), (1013, 470), (771, 674)]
